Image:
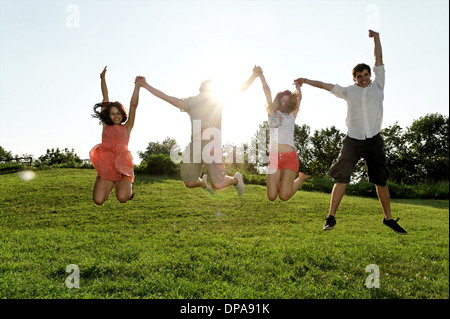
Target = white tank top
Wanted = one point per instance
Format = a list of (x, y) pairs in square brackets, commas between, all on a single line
[(281, 128)]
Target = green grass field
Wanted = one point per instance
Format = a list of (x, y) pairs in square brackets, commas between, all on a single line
[(173, 242)]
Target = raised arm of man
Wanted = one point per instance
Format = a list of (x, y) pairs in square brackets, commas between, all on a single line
[(377, 51), (317, 84), (179, 103)]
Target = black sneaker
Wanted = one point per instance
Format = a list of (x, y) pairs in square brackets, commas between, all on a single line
[(329, 223), (395, 227)]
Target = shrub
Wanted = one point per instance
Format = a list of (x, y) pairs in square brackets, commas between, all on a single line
[(57, 157), (255, 179), (158, 164), (317, 184), (8, 168), (362, 188), (431, 191)]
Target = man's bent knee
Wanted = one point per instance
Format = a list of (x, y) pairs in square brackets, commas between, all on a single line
[(219, 185)]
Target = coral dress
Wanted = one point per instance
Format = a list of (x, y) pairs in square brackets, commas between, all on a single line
[(112, 158)]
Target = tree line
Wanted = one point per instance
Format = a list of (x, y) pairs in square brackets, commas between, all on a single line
[(53, 157), (417, 154)]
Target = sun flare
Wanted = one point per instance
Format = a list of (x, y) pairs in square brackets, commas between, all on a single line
[(243, 111)]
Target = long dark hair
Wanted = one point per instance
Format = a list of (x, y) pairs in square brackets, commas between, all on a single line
[(290, 105), (104, 117)]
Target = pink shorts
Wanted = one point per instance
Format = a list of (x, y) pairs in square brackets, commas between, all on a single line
[(279, 161)]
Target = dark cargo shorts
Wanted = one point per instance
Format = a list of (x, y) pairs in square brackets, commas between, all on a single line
[(371, 150)]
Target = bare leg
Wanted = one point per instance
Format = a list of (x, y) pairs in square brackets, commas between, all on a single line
[(289, 186), (124, 189), (227, 181), (102, 189), (385, 200), (197, 183), (336, 197), (273, 185), (299, 181)]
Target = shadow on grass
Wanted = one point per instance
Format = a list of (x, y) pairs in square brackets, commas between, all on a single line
[(13, 168), (438, 203)]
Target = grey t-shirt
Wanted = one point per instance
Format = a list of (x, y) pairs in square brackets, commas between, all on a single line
[(205, 108)]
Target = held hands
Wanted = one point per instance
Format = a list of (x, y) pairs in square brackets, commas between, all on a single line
[(140, 81), (299, 82), (257, 71)]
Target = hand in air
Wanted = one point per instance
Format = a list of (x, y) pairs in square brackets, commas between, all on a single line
[(299, 82), (372, 33), (257, 70), (102, 75), (140, 81)]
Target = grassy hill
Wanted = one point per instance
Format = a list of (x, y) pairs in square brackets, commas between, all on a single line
[(173, 242)]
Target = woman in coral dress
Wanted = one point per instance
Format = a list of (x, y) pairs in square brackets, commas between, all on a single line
[(111, 158)]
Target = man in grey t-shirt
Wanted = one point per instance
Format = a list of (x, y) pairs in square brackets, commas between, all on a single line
[(205, 149)]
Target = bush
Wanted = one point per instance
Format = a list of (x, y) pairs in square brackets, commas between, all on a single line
[(255, 179), (431, 191), (158, 164), (400, 191), (317, 184), (8, 168), (362, 188), (58, 157)]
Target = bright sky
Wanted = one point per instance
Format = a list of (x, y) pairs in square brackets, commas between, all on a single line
[(52, 52)]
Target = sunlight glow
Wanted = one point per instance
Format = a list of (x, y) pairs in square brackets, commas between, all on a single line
[(229, 70), (223, 90), (224, 69)]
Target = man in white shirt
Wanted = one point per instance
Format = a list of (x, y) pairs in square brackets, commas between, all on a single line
[(364, 118)]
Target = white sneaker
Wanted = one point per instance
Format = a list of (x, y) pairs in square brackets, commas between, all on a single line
[(240, 187), (208, 187)]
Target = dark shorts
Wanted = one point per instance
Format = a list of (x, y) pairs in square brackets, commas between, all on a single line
[(371, 150)]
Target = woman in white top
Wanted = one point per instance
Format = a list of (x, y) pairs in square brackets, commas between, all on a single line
[(283, 178)]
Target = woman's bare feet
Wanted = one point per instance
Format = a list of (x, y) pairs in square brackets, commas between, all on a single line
[(303, 177)]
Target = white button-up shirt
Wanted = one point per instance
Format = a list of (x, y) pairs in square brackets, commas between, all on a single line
[(364, 106)]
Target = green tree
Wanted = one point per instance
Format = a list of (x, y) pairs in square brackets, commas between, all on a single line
[(159, 164), (5, 155), (155, 148), (258, 150), (326, 145), (399, 161), (238, 159), (428, 145), (56, 157), (156, 159), (302, 143)]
